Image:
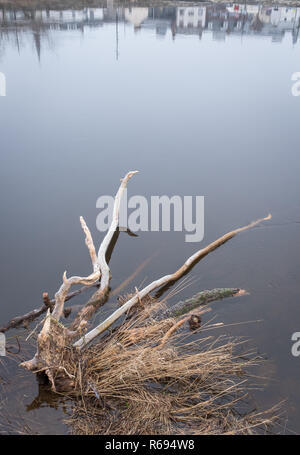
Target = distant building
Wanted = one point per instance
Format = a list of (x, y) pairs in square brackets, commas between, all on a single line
[(136, 16), (285, 18), (191, 17), (219, 20)]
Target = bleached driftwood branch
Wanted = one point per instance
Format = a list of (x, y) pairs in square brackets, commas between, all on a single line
[(88, 337), (54, 337), (90, 245), (62, 293), (64, 289), (57, 304), (100, 266), (107, 239), (52, 332), (99, 297)]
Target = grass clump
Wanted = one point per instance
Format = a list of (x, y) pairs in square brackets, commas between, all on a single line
[(130, 382)]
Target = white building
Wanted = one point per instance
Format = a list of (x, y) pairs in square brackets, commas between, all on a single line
[(191, 17), (136, 15), (285, 17), (237, 8)]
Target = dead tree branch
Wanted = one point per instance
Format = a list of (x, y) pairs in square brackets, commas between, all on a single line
[(100, 296), (87, 338), (55, 342), (54, 337), (27, 318), (62, 293), (199, 299)]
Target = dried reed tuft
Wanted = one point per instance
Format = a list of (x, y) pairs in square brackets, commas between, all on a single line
[(130, 383)]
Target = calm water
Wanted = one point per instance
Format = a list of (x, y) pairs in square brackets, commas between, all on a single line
[(198, 98)]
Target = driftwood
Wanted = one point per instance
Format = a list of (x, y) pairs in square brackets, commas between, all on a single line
[(56, 342), (201, 298), (25, 319), (54, 337), (87, 338), (187, 309), (100, 296)]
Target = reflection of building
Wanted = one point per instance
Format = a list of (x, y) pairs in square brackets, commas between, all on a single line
[(190, 20), (218, 20), (253, 20), (191, 17), (85, 15), (136, 15), (264, 14), (285, 18), (160, 19)]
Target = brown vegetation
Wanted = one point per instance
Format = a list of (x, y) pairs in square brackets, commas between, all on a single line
[(133, 384)]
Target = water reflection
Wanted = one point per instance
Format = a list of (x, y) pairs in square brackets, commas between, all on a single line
[(219, 20)]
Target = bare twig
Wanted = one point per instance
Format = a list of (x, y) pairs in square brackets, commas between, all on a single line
[(25, 318), (90, 244), (172, 330), (48, 303)]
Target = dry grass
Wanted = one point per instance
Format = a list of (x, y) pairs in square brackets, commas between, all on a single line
[(129, 383)]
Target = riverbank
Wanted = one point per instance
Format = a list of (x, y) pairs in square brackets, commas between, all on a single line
[(79, 4)]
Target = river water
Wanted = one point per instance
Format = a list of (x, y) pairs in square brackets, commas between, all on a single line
[(196, 96)]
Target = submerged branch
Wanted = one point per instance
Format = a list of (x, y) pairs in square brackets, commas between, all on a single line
[(32, 315), (201, 298), (27, 318)]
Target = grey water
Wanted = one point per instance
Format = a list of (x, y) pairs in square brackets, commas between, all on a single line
[(196, 96)]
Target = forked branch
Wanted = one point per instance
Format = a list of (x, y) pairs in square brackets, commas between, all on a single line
[(62, 293), (99, 263), (100, 296)]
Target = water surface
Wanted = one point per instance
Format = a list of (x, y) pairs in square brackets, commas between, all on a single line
[(197, 97)]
